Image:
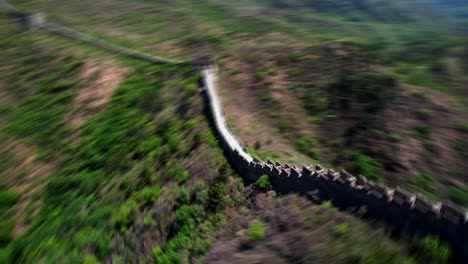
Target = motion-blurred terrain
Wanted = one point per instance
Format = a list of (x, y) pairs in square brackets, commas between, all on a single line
[(106, 159)]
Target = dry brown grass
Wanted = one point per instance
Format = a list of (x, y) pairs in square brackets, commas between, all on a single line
[(105, 76), (404, 152), (298, 232), (27, 178)]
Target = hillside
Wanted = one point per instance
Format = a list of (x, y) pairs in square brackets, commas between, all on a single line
[(100, 152), (113, 160), (332, 103)]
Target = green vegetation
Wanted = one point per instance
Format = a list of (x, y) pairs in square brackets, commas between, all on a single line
[(8, 200), (263, 154), (218, 195), (424, 129), (424, 183), (305, 145), (340, 229), (459, 195), (146, 166), (368, 166), (463, 127), (112, 179), (372, 91), (263, 183), (256, 230), (432, 250), (370, 48), (328, 231)]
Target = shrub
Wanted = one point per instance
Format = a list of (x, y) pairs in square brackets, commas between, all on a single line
[(91, 259), (461, 146), (256, 230), (431, 249), (6, 234), (125, 214), (190, 214), (178, 173), (328, 205), (257, 145), (368, 166), (100, 215), (201, 191), (373, 90), (165, 257), (424, 181), (458, 195), (420, 95), (305, 145), (424, 129), (430, 145), (148, 220), (174, 142), (8, 199), (218, 195), (190, 89), (315, 101), (148, 195), (283, 126), (150, 144), (425, 113), (184, 196), (318, 218), (394, 137), (267, 98), (340, 229), (263, 183), (462, 127)]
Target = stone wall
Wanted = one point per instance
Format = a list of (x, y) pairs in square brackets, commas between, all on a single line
[(70, 33), (402, 212)]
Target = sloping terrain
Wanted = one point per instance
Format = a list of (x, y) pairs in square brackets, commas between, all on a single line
[(118, 183), (295, 231), (112, 160), (139, 179), (334, 103)]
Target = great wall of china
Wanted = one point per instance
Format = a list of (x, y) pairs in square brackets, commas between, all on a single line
[(401, 211)]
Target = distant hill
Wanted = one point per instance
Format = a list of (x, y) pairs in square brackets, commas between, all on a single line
[(376, 10)]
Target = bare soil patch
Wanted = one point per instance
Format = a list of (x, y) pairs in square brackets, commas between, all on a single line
[(105, 76), (26, 177)]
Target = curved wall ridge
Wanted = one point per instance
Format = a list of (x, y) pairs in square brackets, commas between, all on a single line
[(402, 211), (210, 77)]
